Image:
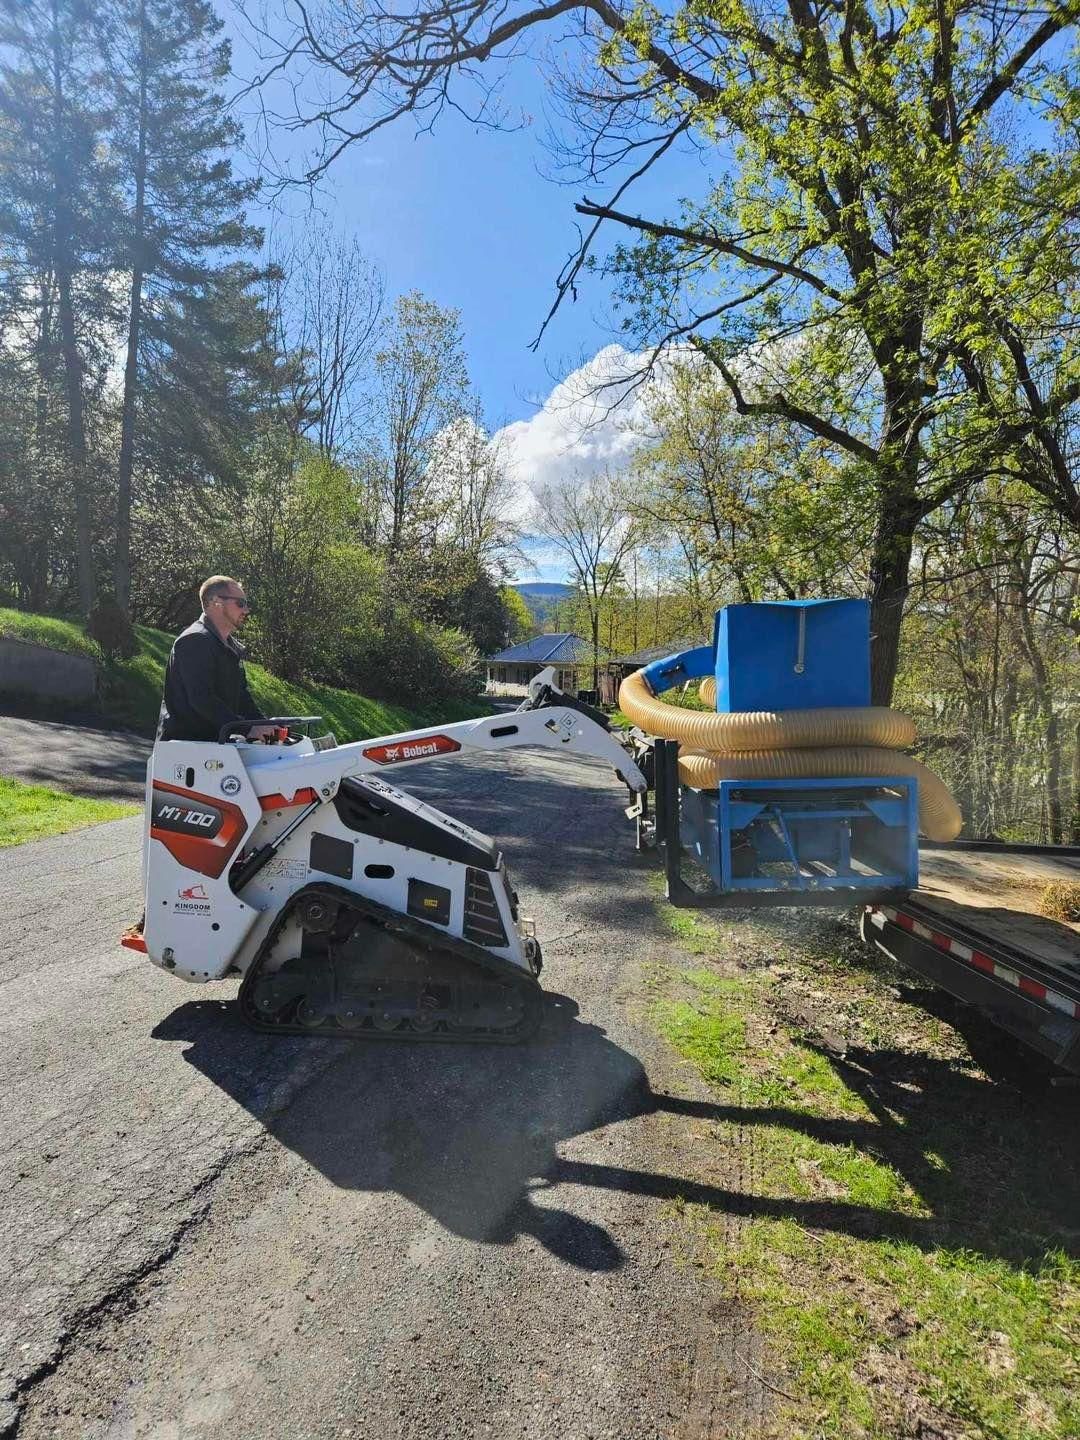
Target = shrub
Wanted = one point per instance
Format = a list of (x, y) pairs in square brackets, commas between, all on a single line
[(109, 625), (1061, 901), (400, 658)]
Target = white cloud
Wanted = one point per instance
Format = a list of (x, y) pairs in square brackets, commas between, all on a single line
[(592, 420)]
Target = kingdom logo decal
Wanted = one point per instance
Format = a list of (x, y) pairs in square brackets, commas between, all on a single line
[(192, 901)]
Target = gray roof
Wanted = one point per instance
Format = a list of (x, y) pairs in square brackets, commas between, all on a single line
[(566, 649), (641, 658)]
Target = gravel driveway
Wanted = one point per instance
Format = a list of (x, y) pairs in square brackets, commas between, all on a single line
[(217, 1233)]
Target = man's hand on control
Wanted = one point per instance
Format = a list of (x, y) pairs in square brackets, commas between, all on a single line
[(263, 732)]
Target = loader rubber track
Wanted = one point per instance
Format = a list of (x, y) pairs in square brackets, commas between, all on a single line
[(481, 987)]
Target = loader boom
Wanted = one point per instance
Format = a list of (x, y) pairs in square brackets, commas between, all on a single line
[(551, 726)]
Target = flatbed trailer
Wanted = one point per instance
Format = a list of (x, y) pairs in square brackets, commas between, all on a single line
[(973, 928), (971, 924)]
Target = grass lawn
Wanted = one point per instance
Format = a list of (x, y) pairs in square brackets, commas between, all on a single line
[(131, 689), (909, 1254), (30, 812)]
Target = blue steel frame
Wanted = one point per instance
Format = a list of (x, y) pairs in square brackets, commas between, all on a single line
[(668, 833), (734, 815)]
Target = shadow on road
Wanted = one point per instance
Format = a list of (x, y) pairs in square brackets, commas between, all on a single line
[(77, 757), (472, 1134), (468, 1133)]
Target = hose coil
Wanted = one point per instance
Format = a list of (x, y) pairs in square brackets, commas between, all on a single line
[(802, 744)]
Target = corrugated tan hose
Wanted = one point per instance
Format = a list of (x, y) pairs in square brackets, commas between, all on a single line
[(804, 744)]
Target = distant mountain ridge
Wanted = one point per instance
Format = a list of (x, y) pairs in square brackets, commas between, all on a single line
[(542, 596), (542, 587)]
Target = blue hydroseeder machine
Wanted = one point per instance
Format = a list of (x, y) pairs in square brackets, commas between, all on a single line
[(755, 835)]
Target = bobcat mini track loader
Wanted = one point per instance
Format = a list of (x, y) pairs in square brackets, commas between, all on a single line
[(348, 906)]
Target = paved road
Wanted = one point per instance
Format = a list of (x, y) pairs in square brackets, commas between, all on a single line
[(216, 1233), (76, 758)]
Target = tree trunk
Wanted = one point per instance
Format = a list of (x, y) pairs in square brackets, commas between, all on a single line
[(63, 266), (122, 557), (1045, 700), (888, 595), (76, 442), (890, 564)]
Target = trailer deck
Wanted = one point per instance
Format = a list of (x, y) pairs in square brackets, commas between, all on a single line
[(973, 927)]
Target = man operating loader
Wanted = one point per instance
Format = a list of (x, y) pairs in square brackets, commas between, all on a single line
[(205, 685)]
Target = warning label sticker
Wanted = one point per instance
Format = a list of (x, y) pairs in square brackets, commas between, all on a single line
[(286, 869)]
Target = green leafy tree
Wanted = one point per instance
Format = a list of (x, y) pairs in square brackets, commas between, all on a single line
[(520, 624), (592, 523), (836, 259), (296, 512), (420, 388), (762, 513), (57, 203), (451, 587)]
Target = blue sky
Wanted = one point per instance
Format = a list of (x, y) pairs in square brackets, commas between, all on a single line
[(466, 216)]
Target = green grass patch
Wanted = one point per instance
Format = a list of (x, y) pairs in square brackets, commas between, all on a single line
[(130, 690), (927, 1281), (351, 716), (30, 812), (46, 630), (870, 1335), (706, 1033)]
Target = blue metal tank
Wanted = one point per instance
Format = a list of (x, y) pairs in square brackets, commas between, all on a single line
[(792, 655)]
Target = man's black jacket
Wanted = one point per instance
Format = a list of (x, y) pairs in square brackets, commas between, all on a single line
[(205, 686)]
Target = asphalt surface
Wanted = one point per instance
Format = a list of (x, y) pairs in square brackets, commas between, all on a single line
[(211, 1232), (107, 764)]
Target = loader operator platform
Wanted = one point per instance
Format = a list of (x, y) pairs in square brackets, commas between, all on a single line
[(205, 685)]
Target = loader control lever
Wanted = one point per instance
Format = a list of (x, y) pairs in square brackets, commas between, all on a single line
[(283, 724)]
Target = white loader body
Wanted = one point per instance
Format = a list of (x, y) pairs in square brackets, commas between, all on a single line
[(237, 831)]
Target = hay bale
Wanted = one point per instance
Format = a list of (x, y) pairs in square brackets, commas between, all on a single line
[(1061, 901)]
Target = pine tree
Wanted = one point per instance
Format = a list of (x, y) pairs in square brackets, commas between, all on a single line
[(57, 200), (195, 330)]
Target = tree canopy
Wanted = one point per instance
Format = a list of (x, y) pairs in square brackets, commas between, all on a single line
[(885, 243)]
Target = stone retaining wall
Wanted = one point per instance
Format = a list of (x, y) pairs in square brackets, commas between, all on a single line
[(51, 674)]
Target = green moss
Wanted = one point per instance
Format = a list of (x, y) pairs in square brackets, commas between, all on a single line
[(30, 812)]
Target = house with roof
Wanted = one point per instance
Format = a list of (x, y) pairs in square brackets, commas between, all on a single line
[(619, 666), (509, 672)]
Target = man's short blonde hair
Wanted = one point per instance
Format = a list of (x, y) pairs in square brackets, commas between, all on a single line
[(215, 586)]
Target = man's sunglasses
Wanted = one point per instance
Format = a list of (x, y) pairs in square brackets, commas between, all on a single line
[(240, 600)]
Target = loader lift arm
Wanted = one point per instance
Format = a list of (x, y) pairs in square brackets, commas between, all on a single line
[(552, 722)]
